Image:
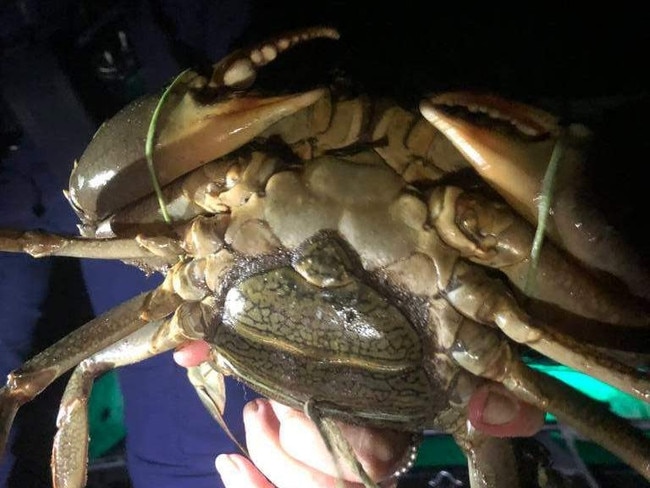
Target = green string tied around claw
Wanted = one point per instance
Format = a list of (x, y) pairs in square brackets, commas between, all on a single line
[(543, 211), (148, 151)]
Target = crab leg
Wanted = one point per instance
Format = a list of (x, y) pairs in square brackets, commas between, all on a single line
[(491, 234), (487, 301), (484, 353), (40, 244), (39, 372), (70, 452), (407, 143), (491, 460), (515, 161)]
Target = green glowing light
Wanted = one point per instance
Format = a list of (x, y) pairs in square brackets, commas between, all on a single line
[(442, 451), (620, 403)]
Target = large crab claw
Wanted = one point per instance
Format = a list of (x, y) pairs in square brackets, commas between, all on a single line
[(202, 119), (512, 152)]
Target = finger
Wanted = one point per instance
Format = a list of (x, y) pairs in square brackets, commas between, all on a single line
[(192, 354), (237, 471), (495, 411), (380, 451), (283, 470)]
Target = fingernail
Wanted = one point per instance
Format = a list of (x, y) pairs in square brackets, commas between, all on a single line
[(227, 468), (499, 409)]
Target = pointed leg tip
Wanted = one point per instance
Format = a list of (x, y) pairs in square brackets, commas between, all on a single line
[(8, 407)]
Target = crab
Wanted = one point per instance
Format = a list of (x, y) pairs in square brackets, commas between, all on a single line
[(329, 251)]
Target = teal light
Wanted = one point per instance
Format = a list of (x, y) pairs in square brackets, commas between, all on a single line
[(620, 403), (442, 451)]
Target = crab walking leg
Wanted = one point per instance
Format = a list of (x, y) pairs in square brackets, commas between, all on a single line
[(70, 452), (491, 234), (487, 301), (482, 352), (39, 244), (491, 460), (39, 372)]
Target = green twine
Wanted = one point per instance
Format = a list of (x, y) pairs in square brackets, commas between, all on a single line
[(149, 147), (543, 211)]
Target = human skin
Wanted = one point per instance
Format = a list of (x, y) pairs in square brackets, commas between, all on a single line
[(286, 450)]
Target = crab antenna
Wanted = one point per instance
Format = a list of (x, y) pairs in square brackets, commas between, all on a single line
[(239, 69)]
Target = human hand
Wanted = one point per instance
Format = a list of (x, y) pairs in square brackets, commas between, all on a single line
[(287, 450)]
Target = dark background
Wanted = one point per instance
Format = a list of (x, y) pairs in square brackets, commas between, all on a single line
[(58, 84)]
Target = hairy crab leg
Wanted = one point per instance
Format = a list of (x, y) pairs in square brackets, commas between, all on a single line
[(176, 312), (70, 455), (70, 451), (39, 372), (410, 145), (40, 244), (515, 161), (482, 352), (490, 234), (492, 462)]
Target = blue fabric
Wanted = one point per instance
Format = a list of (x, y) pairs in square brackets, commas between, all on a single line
[(171, 439), (23, 280)]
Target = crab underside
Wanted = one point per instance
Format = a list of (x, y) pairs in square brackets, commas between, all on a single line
[(335, 260)]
